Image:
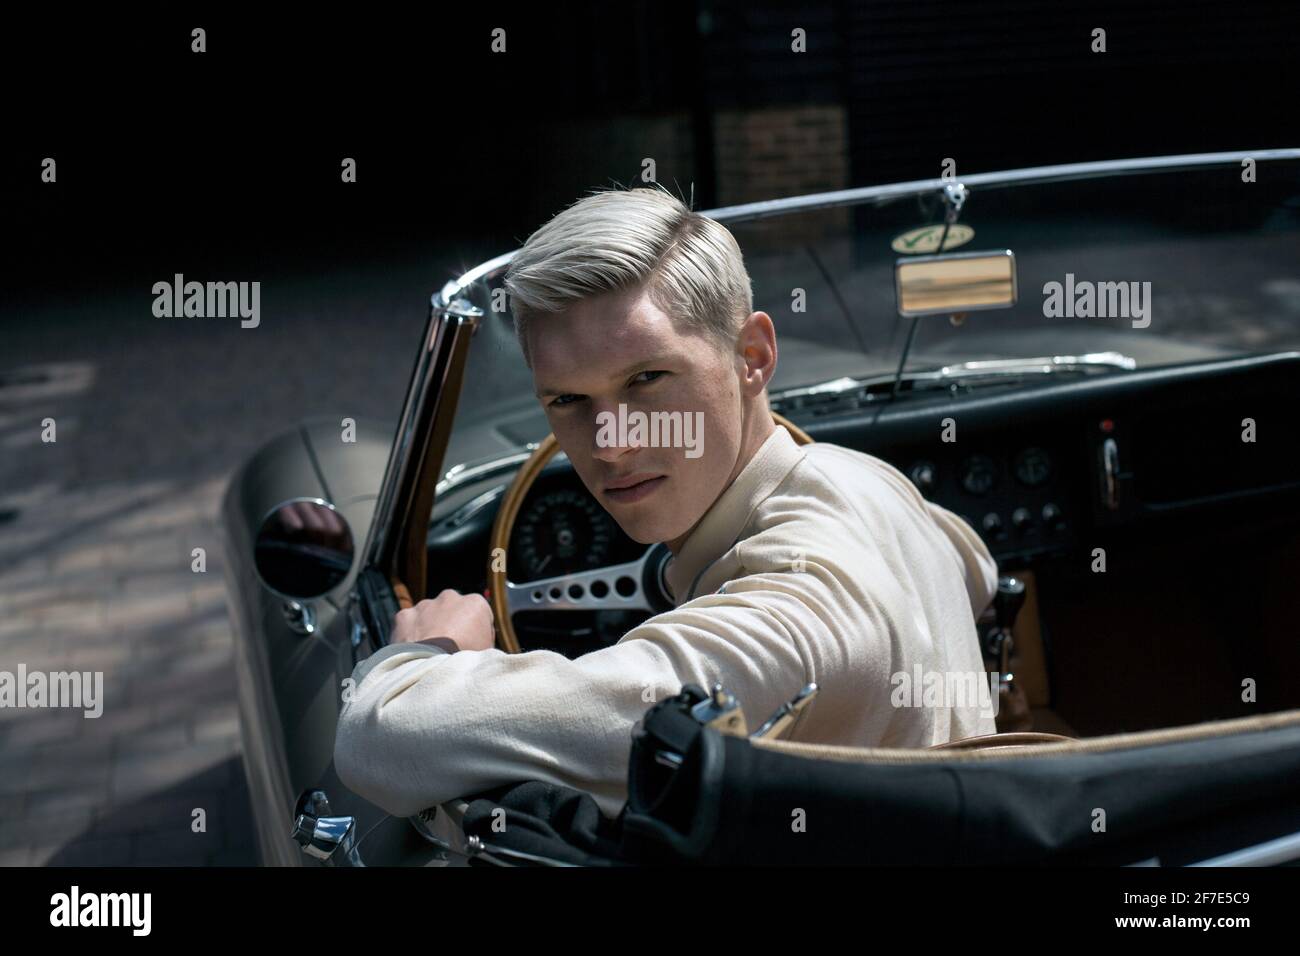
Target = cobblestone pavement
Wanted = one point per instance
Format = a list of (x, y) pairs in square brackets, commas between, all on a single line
[(97, 531)]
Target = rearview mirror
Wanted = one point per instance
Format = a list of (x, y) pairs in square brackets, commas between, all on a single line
[(303, 549), (958, 282)]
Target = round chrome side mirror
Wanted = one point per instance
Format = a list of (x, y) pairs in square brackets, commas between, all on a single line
[(303, 549)]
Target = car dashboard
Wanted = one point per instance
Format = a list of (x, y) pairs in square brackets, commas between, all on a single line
[(1044, 472)]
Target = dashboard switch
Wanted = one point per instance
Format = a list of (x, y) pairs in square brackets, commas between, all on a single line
[(1052, 516), (922, 475), (992, 524), (1022, 519)]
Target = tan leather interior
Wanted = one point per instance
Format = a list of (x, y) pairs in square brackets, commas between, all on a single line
[(987, 741), (1029, 665), (1044, 748), (1028, 662)]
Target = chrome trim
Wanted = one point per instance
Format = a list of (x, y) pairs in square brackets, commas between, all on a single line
[(989, 368), (524, 597), (489, 853), (358, 631), (456, 312), (484, 468), (832, 386), (1270, 853), (300, 616), (472, 507), (442, 826), (1047, 363), (331, 840), (721, 711), (455, 288), (954, 197), (428, 823), (1013, 177), (313, 499), (323, 837), (787, 713)]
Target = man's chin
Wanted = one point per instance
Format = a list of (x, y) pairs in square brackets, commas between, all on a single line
[(648, 532), (643, 536)]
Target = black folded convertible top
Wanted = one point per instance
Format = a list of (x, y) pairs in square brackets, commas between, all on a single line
[(1172, 798)]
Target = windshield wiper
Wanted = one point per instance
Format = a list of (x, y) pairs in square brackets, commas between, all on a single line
[(848, 393), (1045, 365)]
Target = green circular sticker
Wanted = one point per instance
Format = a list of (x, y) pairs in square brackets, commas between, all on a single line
[(926, 239)]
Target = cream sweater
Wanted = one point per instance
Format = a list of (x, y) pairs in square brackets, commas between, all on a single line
[(818, 563)]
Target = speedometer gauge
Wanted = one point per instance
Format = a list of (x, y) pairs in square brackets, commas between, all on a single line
[(561, 532)]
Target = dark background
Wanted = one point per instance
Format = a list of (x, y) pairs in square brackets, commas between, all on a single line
[(231, 156)]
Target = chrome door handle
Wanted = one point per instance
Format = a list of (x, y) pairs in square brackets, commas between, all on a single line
[(330, 839)]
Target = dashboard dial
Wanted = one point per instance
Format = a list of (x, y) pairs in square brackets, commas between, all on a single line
[(1033, 467), (559, 533), (979, 474)]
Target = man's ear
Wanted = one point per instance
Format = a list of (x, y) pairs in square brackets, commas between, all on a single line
[(756, 353)]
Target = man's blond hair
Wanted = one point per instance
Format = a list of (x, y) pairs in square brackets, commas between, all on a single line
[(619, 239)]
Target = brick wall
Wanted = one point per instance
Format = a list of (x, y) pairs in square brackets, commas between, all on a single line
[(760, 154), (784, 151)]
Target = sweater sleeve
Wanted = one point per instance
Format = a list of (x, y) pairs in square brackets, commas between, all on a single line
[(979, 567), (422, 727)]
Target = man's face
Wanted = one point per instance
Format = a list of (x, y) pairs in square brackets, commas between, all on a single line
[(620, 348)]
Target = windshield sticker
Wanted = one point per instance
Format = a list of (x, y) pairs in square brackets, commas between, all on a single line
[(926, 239)]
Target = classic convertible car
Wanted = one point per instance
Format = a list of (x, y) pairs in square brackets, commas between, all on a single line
[(1091, 363)]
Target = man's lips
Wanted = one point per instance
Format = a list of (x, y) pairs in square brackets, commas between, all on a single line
[(634, 487), (619, 484)]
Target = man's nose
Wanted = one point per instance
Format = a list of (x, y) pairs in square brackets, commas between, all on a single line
[(613, 437), (609, 453)]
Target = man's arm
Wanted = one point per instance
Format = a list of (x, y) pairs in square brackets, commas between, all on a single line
[(978, 568), (424, 726), (981, 571)]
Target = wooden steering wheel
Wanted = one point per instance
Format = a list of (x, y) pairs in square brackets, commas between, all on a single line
[(634, 586)]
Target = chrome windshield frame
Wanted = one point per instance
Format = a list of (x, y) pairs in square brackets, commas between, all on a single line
[(766, 209)]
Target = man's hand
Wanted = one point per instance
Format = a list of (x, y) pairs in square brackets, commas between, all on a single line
[(456, 622)]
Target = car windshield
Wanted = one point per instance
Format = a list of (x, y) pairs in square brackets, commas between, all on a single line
[(1208, 259)]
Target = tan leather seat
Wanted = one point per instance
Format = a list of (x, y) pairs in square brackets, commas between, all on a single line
[(991, 741)]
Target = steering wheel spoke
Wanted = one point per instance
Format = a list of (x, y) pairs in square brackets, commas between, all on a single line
[(615, 587)]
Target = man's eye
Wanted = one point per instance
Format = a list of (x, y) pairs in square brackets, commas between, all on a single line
[(561, 400)]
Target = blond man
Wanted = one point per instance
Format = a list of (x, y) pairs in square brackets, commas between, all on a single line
[(791, 564)]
